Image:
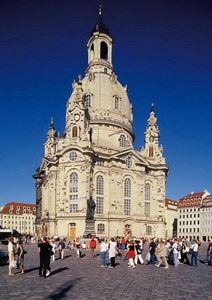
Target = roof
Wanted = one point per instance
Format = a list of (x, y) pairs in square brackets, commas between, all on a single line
[(191, 200), (207, 201), (19, 208), (100, 27), (171, 204)]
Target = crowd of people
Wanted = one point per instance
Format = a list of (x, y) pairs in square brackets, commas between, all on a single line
[(159, 252)]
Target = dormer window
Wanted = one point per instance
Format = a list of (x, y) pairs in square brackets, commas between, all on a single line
[(116, 102), (88, 100), (122, 140)]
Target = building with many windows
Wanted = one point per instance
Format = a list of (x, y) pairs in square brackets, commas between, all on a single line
[(95, 157), (189, 215), (171, 216), (19, 216), (205, 211)]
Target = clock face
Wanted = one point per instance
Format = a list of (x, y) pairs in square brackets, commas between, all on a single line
[(151, 139), (76, 117)]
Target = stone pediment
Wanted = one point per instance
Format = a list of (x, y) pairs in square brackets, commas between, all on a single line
[(130, 153)]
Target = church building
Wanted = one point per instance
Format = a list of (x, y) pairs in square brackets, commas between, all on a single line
[(95, 158)]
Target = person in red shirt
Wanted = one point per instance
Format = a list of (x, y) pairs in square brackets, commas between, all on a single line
[(92, 246)]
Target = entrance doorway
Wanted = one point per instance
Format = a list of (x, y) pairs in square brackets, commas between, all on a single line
[(128, 231), (72, 231)]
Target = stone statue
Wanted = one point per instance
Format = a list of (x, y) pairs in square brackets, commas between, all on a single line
[(90, 209)]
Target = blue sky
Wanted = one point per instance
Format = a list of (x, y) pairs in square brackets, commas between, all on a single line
[(162, 51)]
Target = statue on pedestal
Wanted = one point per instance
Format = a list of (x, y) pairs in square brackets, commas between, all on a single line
[(90, 209)]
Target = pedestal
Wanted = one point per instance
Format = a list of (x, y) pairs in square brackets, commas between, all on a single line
[(89, 229)]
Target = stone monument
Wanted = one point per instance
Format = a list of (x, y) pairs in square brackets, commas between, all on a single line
[(89, 223)]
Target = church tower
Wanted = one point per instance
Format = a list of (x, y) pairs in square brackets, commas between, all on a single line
[(95, 158)]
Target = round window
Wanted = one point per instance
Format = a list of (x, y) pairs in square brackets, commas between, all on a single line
[(73, 156)]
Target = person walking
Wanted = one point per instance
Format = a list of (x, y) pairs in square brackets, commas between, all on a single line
[(11, 253), (61, 247), (112, 252), (103, 252), (194, 248), (152, 248), (185, 251), (139, 250), (45, 254), (92, 246), (131, 253), (163, 254), (54, 247), (175, 253), (20, 260)]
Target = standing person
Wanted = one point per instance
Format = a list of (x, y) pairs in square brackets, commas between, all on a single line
[(11, 253), (123, 243), (175, 253), (112, 252), (45, 254), (61, 247), (139, 250), (20, 260), (152, 247), (103, 252), (92, 246), (163, 255), (209, 253), (131, 253), (185, 251), (194, 254), (78, 248), (54, 247)]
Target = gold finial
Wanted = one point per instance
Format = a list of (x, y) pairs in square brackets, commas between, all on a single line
[(100, 10)]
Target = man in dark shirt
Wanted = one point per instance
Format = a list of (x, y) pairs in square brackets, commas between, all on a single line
[(45, 254), (152, 247)]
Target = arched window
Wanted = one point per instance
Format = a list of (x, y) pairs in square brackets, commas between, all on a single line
[(127, 196), (99, 194), (73, 192), (122, 140), (100, 185), (116, 100), (147, 191), (88, 100), (74, 131), (147, 209), (127, 188), (151, 152), (148, 230), (104, 51), (101, 228)]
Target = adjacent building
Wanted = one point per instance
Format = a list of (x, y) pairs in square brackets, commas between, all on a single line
[(95, 158), (205, 211), (171, 216), (19, 216), (189, 215)]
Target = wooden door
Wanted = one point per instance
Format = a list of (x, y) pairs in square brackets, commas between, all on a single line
[(72, 233)]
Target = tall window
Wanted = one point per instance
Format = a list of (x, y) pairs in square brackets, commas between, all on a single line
[(127, 196), (149, 230), (74, 131), (147, 209), (73, 192), (151, 152), (101, 228), (116, 102), (88, 100), (104, 51), (147, 191), (99, 194), (122, 140)]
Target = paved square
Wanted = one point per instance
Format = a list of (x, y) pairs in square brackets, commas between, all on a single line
[(84, 279)]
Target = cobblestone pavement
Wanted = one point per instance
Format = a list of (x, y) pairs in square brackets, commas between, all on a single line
[(84, 279)]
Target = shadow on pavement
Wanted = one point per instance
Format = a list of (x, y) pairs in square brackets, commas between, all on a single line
[(62, 291), (31, 270), (59, 270)]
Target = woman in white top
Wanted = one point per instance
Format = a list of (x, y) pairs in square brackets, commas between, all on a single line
[(103, 252), (11, 253), (194, 248), (112, 252)]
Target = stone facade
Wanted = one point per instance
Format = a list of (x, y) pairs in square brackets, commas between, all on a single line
[(206, 219), (171, 216), (95, 158)]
